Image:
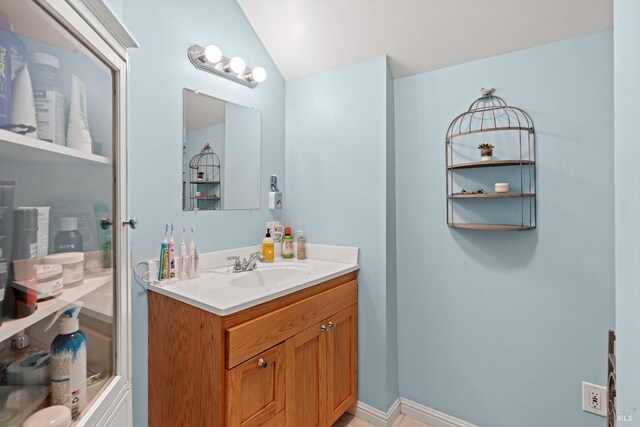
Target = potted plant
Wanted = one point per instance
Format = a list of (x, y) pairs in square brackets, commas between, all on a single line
[(486, 151)]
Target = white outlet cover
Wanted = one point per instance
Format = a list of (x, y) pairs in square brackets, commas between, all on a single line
[(588, 391)]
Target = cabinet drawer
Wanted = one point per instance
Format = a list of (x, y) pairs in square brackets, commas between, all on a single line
[(256, 335), (256, 390)]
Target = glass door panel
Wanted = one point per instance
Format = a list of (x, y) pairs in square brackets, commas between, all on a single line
[(56, 198)]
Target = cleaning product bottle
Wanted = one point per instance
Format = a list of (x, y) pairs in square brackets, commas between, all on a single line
[(171, 269), (48, 97), (301, 247), (69, 361), (182, 269), (164, 256), (268, 250), (287, 243)]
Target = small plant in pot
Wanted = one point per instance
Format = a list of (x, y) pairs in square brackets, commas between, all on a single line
[(486, 152)]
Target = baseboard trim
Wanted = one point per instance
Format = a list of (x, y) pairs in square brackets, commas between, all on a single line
[(430, 416), (407, 407), (374, 416)]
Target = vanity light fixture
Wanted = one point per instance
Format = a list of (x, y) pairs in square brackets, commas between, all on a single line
[(210, 59)]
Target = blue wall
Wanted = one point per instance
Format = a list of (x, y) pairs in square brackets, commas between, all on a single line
[(627, 176), (495, 328), (336, 190), (159, 72)]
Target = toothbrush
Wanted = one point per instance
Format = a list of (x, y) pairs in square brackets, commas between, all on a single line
[(171, 270), (183, 255), (164, 256), (192, 253)]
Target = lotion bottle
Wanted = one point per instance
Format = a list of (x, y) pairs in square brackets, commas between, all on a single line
[(301, 246), (268, 248), (69, 361)]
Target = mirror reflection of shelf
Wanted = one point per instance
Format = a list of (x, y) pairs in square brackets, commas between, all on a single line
[(205, 198), (490, 163), (489, 195), (45, 308), (492, 227), (18, 148)]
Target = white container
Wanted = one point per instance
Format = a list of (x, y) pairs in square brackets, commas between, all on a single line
[(502, 187), (53, 416), (48, 97), (72, 266), (48, 284)]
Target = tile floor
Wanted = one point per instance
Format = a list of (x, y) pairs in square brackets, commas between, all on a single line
[(403, 421)]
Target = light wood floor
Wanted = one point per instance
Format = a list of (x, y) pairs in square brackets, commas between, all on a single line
[(403, 421)]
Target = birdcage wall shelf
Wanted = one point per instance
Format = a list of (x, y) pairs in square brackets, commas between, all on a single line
[(511, 129), (205, 181)]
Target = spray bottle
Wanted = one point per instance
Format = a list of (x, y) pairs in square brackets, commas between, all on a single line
[(69, 361), (171, 270), (164, 256), (182, 270)]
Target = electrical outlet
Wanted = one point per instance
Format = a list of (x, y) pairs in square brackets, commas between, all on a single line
[(594, 399), (271, 226)]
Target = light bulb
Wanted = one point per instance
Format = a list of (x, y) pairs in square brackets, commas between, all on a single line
[(237, 64), (212, 54), (259, 74)]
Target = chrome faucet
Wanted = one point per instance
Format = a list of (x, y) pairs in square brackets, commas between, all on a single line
[(246, 265)]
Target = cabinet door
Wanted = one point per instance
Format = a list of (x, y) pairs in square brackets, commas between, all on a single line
[(255, 389), (277, 421), (342, 362), (306, 380)]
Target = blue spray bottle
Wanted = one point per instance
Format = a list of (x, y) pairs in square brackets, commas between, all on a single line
[(69, 361)]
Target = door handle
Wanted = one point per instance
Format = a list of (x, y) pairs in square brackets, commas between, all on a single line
[(133, 223), (262, 363), (106, 223)]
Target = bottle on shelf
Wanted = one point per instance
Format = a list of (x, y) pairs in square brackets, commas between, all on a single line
[(287, 243), (48, 97), (68, 238), (301, 246)]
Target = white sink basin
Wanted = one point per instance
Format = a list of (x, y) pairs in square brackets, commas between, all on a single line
[(271, 276)]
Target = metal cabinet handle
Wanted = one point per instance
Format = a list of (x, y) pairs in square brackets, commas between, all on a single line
[(332, 325), (323, 328), (106, 223), (133, 223), (262, 363)]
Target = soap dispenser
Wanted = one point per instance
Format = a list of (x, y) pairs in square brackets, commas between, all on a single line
[(268, 248)]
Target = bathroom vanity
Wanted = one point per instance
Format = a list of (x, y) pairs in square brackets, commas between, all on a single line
[(288, 360)]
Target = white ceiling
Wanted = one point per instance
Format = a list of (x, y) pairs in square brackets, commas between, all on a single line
[(202, 111), (307, 36)]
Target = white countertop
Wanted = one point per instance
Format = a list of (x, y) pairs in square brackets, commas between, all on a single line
[(222, 292)]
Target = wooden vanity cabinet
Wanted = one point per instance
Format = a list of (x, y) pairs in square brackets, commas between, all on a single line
[(290, 362)]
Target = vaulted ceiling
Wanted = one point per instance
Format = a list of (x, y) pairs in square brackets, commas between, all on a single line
[(308, 36)]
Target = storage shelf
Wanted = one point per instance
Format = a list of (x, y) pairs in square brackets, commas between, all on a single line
[(490, 195), (205, 182), (21, 149), (491, 163), (45, 308), (492, 227)]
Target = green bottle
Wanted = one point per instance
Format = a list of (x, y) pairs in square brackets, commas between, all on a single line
[(287, 243)]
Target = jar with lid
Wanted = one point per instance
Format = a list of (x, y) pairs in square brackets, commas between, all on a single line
[(48, 96)]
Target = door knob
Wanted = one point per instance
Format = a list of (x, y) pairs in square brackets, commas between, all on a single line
[(262, 363), (106, 223), (323, 328), (332, 325), (133, 223)]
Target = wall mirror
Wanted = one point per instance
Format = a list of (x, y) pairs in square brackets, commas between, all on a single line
[(221, 154)]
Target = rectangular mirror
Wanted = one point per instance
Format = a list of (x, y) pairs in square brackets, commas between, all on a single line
[(221, 154)]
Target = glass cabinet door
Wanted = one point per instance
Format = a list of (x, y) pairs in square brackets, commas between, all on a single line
[(57, 279)]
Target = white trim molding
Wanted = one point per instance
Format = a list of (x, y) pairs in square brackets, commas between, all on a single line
[(407, 407), (430, 416), (374, 416)]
